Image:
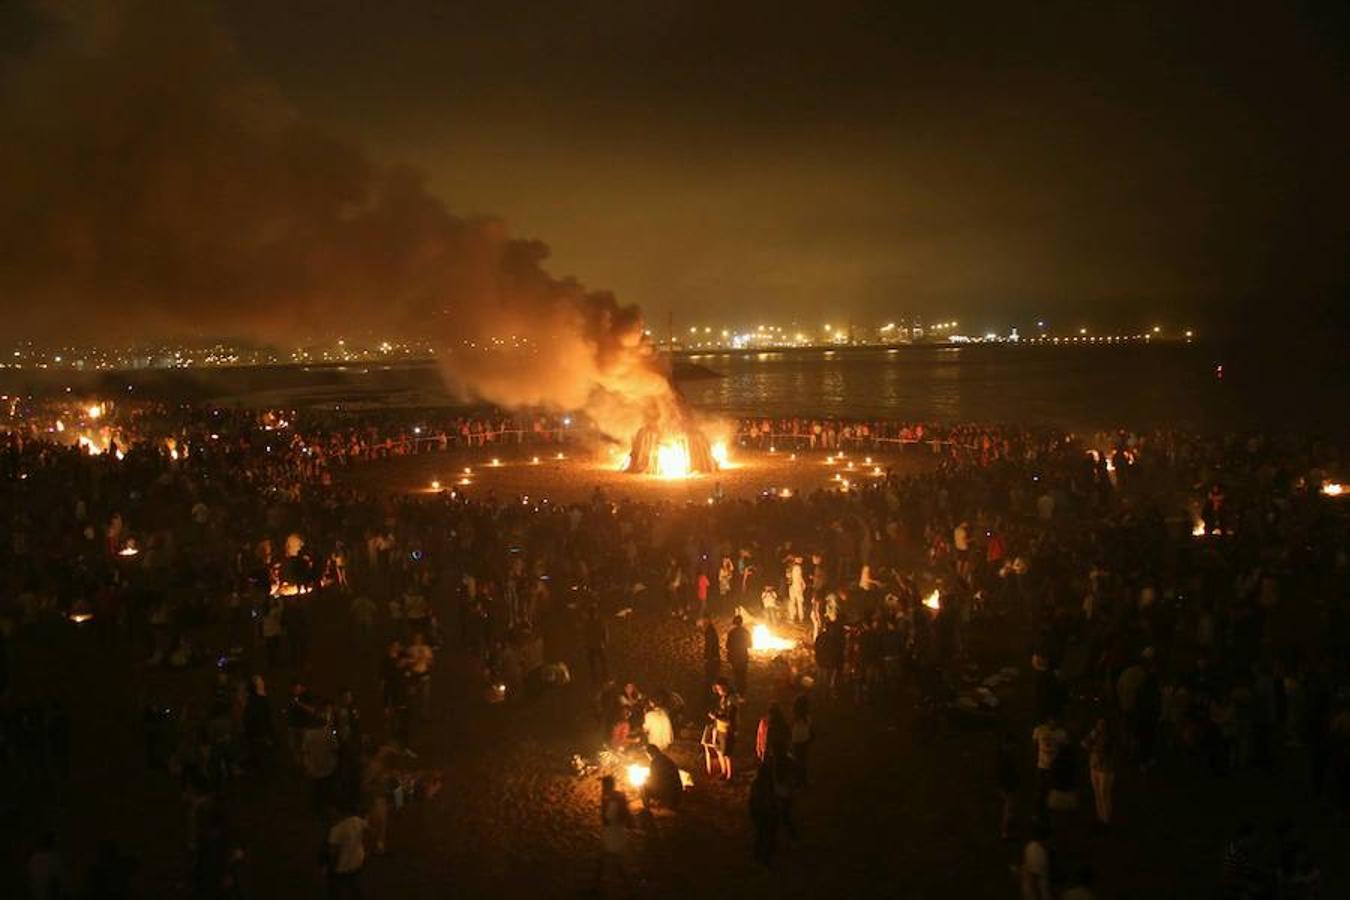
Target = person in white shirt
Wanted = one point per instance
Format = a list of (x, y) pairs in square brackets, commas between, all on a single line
[(656, 725), (796, 591), (346, 856)]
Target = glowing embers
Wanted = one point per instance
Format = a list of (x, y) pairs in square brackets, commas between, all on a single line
[(720, 455), (763, 640)]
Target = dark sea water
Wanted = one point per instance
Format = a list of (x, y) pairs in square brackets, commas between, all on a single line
[(1274, 388), (1135, 386)]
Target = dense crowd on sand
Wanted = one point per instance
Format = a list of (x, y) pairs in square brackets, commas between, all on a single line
[(1185, 598)]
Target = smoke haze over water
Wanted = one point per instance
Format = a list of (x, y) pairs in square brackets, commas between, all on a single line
[(152, 187)]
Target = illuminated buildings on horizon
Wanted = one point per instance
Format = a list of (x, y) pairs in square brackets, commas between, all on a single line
[(31, 355)]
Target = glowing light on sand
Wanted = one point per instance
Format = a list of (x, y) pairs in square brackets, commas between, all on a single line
[(933, 600), (560, 456), (534, 460), (765, 641), (496, 461), (435, 485), (638, 774), (465, 482)]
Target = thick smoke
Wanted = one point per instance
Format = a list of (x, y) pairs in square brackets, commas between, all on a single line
[(152, 187)]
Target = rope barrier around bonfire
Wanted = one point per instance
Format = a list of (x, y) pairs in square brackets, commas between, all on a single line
[(794, 441)]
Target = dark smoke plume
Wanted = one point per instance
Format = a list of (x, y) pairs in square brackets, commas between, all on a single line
[(152, 187)]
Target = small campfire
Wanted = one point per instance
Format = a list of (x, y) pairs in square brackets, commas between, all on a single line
[(1333, 489), (934, 600), (638, 774), (763, 640)]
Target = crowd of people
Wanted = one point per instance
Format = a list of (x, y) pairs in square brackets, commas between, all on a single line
[(1184, 596)]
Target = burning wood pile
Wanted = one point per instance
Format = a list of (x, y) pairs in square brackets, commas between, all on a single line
[(672, 446)]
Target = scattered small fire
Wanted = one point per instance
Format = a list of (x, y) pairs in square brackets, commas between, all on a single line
[(435, 485), (933, 600), (129, 550), (465, 482), (1198, 529), (765, 641), (496, 461), (638, 774), (94, 411), (720, 455), (289, 589), (80, 618), (534, 460), (1333, 489)]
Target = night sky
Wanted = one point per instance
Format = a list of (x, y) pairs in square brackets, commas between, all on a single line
[(1084, 163)]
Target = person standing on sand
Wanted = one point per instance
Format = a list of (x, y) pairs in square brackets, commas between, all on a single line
[(764, 814), (615, 820), (1102, 750), (738, 654), (596, 633), (712, 652), (1006, 778), (345, 856), (1050, 740), (719, 737)]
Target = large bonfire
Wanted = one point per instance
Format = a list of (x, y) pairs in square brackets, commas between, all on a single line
[(671, 445)]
